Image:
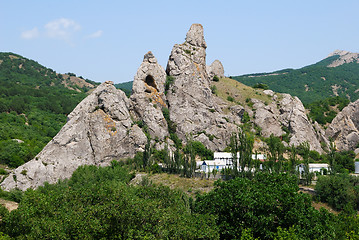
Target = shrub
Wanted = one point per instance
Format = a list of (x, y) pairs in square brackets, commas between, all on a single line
[(338, 191), (168, 83), (261, 85), (230, 98), (214, 89), (216, 78), (3, 171)]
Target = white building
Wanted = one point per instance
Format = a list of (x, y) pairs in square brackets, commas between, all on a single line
[(223, 160), (314, 167)]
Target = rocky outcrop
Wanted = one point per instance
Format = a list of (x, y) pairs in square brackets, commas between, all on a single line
[(104, 126), (215, 69), (343, 57), (287, 114), (98, 131), (344, 129), (191, 103), (148, 96)]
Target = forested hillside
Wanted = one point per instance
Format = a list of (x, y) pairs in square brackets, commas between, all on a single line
[(311, 83), (126, 87), (34, 102)]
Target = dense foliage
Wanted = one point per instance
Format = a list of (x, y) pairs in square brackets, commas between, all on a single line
[(264, 204), (324, 111), (33, 107), (101, 203), (126, 87), (98, 203), (311, 83), (339, 191)]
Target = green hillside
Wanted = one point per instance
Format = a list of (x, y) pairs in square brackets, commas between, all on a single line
[(34, 102), (126, 87), (311, 83)]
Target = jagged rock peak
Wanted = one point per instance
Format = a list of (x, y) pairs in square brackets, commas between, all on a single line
[(98, 130), (344, 57), (149, 57), (195, 36), (148, 96), (192, 106), (338, 52), (150, 76)]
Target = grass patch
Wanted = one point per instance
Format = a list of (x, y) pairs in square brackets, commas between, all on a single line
[(174, 181), (238, 91)]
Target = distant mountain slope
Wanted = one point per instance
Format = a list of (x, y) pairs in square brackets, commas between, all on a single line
[(336, 75), (126, 87), (34, 102)]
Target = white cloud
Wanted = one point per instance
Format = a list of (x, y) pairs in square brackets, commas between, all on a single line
[(62, 28), (30, 34), (95, 34)]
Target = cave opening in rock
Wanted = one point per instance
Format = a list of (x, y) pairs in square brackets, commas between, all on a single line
[(150, 81)]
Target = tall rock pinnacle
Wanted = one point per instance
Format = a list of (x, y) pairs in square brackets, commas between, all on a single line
[(148, 95), (195, 36), (191, 103)]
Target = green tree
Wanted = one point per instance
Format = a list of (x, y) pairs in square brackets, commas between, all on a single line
[(263, 204), (307, 175)]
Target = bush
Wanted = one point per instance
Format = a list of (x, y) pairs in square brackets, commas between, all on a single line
[(263, 204), (261, 85), (338, 191), (214, 89), (198, 149), (97, 203), (216, 78), (168, 83), (230, 98)]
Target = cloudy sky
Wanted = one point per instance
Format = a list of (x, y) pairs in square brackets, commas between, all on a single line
[(106, 40)]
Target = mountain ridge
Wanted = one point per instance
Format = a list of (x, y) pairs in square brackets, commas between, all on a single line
[(336, 75)]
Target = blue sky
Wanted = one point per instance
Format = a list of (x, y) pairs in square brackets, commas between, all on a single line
[(106, 40)]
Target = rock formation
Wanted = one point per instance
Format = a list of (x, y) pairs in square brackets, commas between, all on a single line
[(215, 69), (98, 130), (344, 129), (104, 126), (287, 113), (191, 103), (148, 96), (344, 57)]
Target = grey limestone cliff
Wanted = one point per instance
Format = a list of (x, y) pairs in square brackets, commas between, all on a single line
[(288, 113), (344, 129), (98, 130)]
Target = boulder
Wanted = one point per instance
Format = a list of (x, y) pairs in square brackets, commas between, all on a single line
[(215, 69), (98, 131), (344, 129), (288, 113)]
